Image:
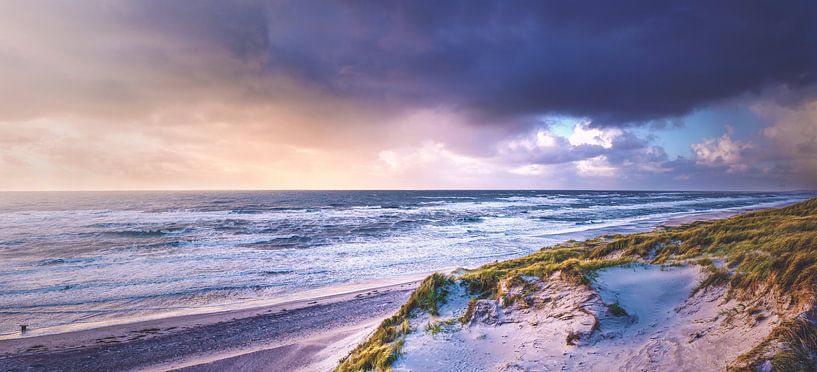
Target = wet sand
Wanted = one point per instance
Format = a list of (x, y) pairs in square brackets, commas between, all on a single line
[(309, 334)]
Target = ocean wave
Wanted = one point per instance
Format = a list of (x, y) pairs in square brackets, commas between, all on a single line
[(136, 233), (61, 261)]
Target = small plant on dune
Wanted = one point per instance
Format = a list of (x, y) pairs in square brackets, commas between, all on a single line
[(435, 327), (714, 277), (573, 338), (617, 310), (469, 311), (431, 293)]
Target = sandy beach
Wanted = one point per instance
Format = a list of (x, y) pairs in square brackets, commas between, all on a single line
[(306, 334)]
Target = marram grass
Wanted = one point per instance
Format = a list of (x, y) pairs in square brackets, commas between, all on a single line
[(383, 347)]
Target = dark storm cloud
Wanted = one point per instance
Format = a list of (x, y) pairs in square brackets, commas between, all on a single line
[(615, 62)]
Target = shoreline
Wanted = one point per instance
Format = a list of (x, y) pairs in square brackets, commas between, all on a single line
[(82, 336), (332, 325), (311, 332), (239, 309)]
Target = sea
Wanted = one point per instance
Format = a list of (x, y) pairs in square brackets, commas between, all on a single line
[(70, 260)]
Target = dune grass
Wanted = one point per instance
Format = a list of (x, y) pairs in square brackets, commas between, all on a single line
[(799, 339), (383, 346), (768, 250), (792, 344)]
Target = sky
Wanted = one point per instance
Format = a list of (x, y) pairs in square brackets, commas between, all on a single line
[(477, 94)]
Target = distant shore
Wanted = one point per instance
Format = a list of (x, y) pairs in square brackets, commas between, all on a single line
[(304, 334), (717, 215)]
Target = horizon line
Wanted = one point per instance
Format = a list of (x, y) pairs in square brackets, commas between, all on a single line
[(396, 189)]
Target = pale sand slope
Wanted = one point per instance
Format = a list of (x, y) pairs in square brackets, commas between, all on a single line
[(666, 329)]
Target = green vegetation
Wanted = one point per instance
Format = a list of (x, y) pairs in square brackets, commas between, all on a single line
[(714, 277), (572, 262), (383, 346), (617, 310), (797, 342), (772, 251), (799, 339), (469, 311), (435, 327)]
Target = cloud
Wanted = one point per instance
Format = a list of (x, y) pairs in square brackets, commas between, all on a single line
[(597, 166), (430, 154), (722, 152), (584, 135), (612, 62), (531, 170), (540, 140), (792, 139)]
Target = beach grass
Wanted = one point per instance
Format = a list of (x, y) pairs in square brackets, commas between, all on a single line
[(383, 347)]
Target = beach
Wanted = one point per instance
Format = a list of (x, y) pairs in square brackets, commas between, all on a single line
[(307, 334)]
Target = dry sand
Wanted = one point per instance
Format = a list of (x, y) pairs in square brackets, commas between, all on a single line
[(665, 328)]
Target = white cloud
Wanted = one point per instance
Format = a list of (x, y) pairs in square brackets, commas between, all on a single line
[(530, 170), (540, 140), (544, 139), (722, 151), (432, 156), (390, 158), (584, 135), (596, 166)]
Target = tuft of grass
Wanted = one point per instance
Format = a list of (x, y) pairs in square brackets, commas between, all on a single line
[(469, 311), (799, 339), (435, 327), (573, 338), (617, 310), (714, 277), (431, 293)]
